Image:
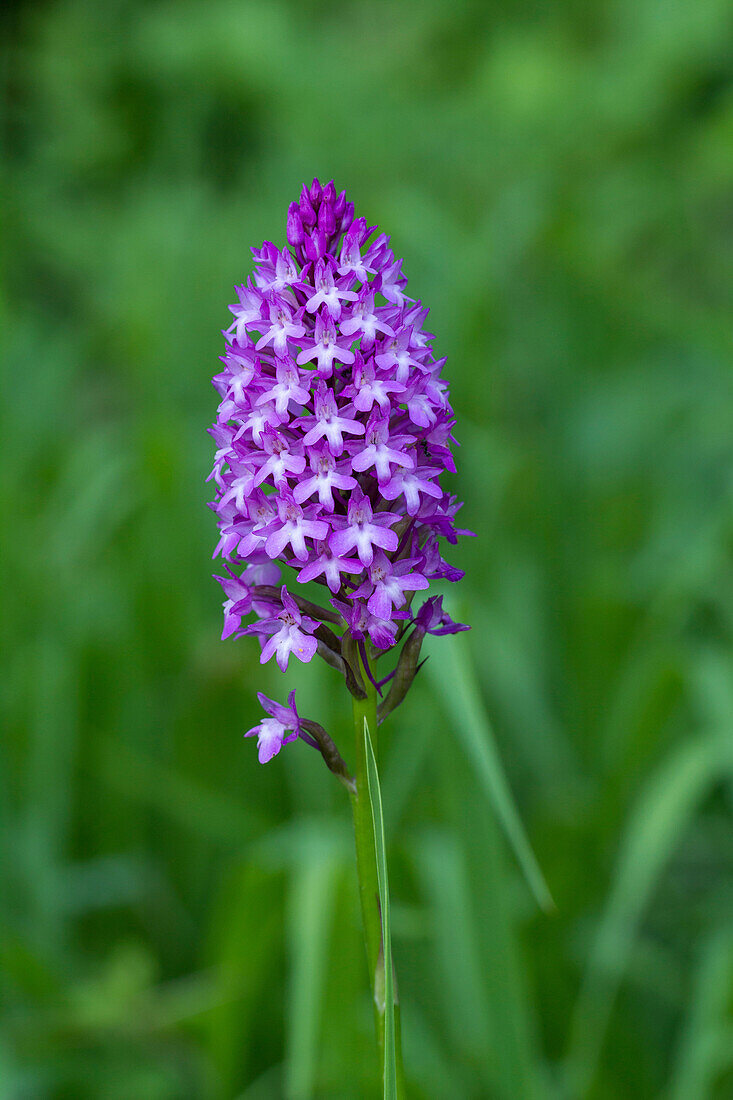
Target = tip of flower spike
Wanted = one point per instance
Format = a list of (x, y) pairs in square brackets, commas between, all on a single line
[(315, 192)]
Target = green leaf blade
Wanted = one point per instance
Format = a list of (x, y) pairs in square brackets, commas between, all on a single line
[(454, 681), (375, 798)]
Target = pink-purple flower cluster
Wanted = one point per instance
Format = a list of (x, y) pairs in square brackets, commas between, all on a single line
[(332, 433)]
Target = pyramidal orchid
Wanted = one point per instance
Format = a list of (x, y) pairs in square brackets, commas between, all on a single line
[(333, 432)]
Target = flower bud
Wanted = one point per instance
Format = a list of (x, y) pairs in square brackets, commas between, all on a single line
[(326, 219), (348, 216), (295, 233), (307, 213), (311, 248), (315, 192), (319, 243)]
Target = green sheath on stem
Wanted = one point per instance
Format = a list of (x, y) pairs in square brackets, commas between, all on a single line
[(365, 710)]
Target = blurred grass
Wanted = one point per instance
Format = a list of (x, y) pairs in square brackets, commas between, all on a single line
[(177, 922)]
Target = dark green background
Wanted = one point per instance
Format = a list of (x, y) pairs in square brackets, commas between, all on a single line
[(178, 922)]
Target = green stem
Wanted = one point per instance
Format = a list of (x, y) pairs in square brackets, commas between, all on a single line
[(366, 870)]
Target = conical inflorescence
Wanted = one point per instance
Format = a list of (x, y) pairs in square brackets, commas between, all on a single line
[(332, 433)]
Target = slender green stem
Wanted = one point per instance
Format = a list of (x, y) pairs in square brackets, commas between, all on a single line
[(366, 869)]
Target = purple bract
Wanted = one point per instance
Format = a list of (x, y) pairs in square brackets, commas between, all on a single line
[(332, 434)]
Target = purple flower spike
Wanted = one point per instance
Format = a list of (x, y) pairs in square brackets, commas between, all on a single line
[(333, 433)]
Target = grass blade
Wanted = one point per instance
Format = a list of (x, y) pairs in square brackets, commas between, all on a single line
[(455, 682), (659, 819), (375, 797), (705, 1049), (311, 913)]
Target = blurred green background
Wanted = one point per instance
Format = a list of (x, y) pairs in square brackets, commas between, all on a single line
[(179, 923)]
